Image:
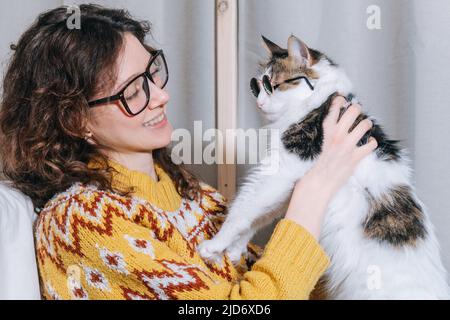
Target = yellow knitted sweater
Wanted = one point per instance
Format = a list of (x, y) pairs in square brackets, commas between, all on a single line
[(93, 244)]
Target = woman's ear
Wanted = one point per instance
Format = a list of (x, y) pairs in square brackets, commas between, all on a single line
[(88, 135), (298, 49)]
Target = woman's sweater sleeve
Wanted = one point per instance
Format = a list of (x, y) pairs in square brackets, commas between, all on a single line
[(289, 268), (133, 263)]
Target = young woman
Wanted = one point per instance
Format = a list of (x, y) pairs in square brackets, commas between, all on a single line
[(84, 134)]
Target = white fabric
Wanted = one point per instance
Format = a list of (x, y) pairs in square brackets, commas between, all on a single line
[(18, 271)]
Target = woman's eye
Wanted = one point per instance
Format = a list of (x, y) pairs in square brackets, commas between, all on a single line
[(155, 71), (133, 95)]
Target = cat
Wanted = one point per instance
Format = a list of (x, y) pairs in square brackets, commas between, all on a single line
[(375, 227)]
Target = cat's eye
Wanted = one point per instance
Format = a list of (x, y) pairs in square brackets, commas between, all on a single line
[(254, 85), (267, 84)]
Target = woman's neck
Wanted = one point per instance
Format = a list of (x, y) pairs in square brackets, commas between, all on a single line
[(142, 162)]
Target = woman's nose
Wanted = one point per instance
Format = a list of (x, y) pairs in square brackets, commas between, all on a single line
[(158, 96)]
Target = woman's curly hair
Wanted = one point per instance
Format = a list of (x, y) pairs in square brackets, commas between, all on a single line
[(52, 74)]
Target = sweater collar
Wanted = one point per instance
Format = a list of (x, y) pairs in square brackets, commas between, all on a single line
[(162, 193)]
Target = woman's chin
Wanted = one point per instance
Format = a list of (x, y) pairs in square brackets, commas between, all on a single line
[(159, 138)]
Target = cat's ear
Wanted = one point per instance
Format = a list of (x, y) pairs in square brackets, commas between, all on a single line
[(273, 48), (298, 49)]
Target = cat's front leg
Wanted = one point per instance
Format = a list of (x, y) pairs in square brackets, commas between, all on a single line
[(239, 247), (229, 233), (259, 196)]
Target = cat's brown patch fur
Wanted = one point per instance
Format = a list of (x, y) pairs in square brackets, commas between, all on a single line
[(320, 291), (395, 217), (287, 68)]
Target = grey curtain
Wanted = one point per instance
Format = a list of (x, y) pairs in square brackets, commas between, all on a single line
[(400, 72)]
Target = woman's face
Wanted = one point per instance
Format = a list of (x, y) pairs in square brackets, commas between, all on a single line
[(121, 133)]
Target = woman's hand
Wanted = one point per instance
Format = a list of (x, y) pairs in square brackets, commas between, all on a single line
[(340, 156)]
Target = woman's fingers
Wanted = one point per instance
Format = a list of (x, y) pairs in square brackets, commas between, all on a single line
[(335, 109), (360, 130), (366, 149), (348, 118), (338, 129)]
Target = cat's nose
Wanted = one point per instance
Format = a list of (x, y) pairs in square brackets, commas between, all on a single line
[(259, 104)]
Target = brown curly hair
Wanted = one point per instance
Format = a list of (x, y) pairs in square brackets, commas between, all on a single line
[(51, 76)]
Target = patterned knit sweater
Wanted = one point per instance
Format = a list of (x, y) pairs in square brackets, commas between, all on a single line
[(93, 244)]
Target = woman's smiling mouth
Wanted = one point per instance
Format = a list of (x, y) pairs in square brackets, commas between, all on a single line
[(156, 121)]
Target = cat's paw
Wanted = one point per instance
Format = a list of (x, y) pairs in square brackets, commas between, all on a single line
[(211, 250), (235, 253)]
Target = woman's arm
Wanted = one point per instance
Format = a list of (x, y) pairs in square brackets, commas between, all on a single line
[(340, 156)]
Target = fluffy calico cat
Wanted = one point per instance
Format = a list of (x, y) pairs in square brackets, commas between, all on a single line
[(375, 226)]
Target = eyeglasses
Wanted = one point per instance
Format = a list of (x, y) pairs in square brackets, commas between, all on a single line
[(254, 85), (136, 93)]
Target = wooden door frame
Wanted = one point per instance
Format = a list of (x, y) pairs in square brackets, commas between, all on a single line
[(226, 64)]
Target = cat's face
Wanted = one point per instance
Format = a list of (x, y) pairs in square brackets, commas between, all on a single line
[(285, 64)]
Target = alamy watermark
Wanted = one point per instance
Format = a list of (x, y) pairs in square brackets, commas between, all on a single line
[(374, 19), (234, 146), (373, 277), (74, 20)]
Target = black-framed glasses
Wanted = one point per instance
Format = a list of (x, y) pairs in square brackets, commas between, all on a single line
[(135, 95), (254, 85)]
